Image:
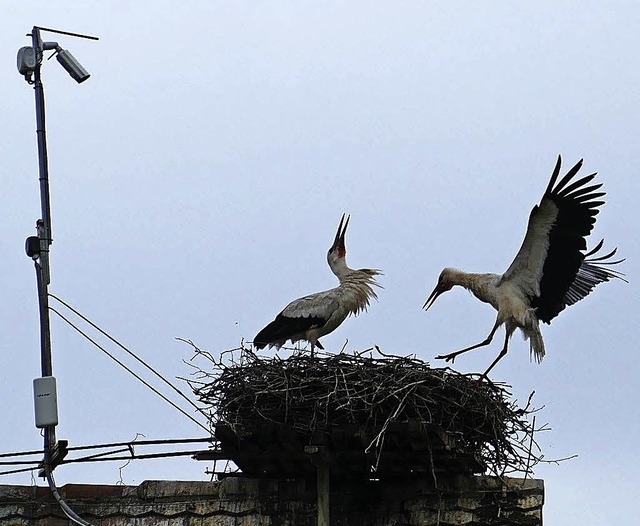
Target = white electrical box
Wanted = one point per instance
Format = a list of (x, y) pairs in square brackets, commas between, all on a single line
[(45, 398)]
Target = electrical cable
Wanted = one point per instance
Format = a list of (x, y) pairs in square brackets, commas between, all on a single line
[(142, 443), (22, 453), (131, 353), (18, 462), (111, 444), (73, 516), (37, 464), (102, 457), (133, 456), (21, 470), (138, 377)]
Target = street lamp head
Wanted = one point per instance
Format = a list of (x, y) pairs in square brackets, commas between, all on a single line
[(73, 67)]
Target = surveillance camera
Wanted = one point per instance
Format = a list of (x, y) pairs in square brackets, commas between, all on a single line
[(73, 67)]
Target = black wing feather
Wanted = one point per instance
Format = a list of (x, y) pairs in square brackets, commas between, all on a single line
[(594, 195), (558, 188), (576, 184), (554, 175), (285, 327), (592, 273), (585, 190)]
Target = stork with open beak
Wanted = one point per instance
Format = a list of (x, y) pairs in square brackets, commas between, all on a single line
[(311, 317), (550, 272)]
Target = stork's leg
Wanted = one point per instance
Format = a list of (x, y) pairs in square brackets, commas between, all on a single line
[(314, 345), (452, 356), (502, 354)]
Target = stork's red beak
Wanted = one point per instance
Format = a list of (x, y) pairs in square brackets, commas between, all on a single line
[(338, 242), (434, 296)]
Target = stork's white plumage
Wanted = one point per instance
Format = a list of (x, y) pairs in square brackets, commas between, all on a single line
[(311, 317), (550, 272)]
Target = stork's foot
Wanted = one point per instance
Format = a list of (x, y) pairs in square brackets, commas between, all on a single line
[(448, 357), (451, 357)]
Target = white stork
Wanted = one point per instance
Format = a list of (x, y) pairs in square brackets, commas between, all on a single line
[(551, 270), (311, 317)]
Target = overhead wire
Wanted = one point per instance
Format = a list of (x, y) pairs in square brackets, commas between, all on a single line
[(113, 444), (129, 370), (142, 443), (37, 464), (127, 350), (22, 453), (104, 456), (19, 462), (21, 470)]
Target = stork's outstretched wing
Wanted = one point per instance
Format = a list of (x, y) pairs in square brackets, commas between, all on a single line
[(550, 267)]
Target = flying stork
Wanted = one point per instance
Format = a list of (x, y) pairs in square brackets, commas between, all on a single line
[(311, 317), (550, 272)]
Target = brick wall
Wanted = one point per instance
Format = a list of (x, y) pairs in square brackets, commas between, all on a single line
[(238, 501)]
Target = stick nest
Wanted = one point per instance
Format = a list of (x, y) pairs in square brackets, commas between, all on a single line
[(372, 395)]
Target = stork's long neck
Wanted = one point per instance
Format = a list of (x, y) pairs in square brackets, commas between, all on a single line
[(481, 285), (339, 267)]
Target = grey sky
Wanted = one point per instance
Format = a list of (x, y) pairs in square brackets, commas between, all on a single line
[(198, 177)]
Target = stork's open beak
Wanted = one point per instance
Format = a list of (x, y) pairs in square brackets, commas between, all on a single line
[(434, 296), (338, 242)]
